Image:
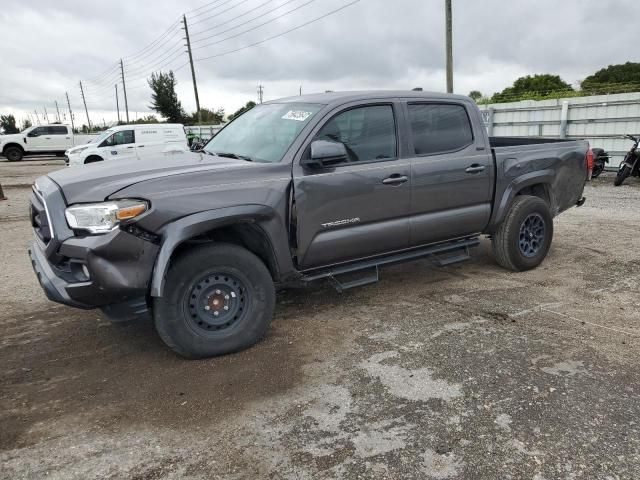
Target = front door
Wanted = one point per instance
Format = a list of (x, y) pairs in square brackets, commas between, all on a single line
[(451, 173), (357, 208), (38, 140), (119, 146)]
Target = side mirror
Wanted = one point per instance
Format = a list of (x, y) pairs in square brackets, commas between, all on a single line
[(326, 154), (33, 134)]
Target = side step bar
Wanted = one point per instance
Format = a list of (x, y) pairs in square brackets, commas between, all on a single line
[(441, 255)]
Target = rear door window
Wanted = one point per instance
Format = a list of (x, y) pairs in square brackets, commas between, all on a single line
[(57, 130), (439, 128)]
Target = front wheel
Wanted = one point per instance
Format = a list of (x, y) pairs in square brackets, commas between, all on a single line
[(623, 173), (218, 298), (523, 239), (14, 154)]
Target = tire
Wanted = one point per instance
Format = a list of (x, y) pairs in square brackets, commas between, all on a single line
[(622, 175), (523, 239), (93, 159), (13, 154), (215, 279)]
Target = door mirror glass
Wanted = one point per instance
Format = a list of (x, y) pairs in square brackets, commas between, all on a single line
[(325, 154)]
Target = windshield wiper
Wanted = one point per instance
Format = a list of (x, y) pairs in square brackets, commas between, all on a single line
[(233, 155)]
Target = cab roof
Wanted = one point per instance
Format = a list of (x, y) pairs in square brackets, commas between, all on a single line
[(338, 98)]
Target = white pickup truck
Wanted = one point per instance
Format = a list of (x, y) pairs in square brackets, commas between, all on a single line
[(51, 139)]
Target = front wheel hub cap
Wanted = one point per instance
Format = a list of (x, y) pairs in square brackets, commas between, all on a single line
[(216, 302)]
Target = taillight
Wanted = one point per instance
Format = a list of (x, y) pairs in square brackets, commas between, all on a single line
[(588, 160)]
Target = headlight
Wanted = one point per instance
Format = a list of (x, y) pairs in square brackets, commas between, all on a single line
[(77, 150), (103, 217)]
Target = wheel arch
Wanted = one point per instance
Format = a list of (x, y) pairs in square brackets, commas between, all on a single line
[(12, 144), (537, 184), (252, 227), (93, 158)]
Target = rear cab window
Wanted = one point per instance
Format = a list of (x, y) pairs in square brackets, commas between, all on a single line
[(439, 127)]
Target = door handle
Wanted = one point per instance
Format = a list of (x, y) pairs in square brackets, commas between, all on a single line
[(475, 168), (130, 147), (395, 179)]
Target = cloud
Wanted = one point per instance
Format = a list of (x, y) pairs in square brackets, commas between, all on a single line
[(372, 44)]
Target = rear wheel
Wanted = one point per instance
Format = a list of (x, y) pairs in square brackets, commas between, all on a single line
[(219, 298), (523, 239), (623, 173), (14, 154)]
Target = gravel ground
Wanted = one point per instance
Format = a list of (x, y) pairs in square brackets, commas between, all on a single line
[(468, 371)]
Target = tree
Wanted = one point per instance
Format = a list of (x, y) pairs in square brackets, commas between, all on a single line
[(532, 87), (145, 119), (164, 98), (475, 95), (8, 124), (614, 78), (26, 123), (248, 106), (208, 116)]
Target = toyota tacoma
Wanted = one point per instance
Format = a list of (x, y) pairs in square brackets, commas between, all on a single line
[(329, 186)]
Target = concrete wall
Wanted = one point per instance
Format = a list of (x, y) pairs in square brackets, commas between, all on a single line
[(601, 119)]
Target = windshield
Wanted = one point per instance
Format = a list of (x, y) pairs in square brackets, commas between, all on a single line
[(101, 137), (264, 133)]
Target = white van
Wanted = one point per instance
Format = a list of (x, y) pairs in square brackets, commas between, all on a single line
[(130, 142)]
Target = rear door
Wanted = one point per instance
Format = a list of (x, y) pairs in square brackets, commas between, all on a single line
[(61, 138), (451, 172), (358, 208)]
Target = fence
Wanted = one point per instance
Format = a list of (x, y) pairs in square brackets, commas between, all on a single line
[(601, 119), (204, 132)]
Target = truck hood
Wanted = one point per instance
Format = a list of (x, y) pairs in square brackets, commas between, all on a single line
[(14, 137), (96, 182)]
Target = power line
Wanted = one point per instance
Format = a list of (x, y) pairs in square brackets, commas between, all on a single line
[(140, 52), (219, 13), (257, 26), (332, 12), (243, 23), (204, 6)]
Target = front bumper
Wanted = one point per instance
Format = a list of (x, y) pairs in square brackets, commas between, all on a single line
[(119, 267), (110, 271)]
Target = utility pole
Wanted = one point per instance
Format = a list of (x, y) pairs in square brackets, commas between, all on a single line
[(124, 89), (57, 110), (449, 47), (37, 117), (117, 104), (85, 107), (300, 90), (260, 93), (70, 112), (46, 115), (193, 72)]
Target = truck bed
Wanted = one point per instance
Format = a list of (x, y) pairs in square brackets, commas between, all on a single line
[(517, 141)]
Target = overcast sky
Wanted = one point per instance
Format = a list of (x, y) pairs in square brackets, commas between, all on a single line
[(373, 44)]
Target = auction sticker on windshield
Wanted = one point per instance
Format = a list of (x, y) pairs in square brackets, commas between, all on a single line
[(298, 115)]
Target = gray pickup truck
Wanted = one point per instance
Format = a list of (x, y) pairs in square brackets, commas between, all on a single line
[(329, 186)]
